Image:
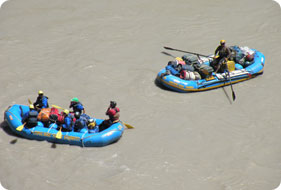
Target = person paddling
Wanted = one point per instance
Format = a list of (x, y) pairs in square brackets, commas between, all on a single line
[(30, 118), (41, 101), (224, 54), (68, 123), (76, 105), (113, 113)]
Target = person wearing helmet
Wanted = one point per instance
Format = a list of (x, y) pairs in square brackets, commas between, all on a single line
[(113, 113), (30, 118), (67, 125), (80, 124), (41, 101), (92, 127), (224, 54), (76, 106)]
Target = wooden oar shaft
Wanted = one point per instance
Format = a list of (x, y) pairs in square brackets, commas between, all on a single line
[(58, 107), (233, 93), (169, 48)]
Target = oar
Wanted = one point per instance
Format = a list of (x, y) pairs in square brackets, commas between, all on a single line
[(198, 54), (59, 135), (233, 94), (168, 54), (128, 126), (30, 102), (20, 128), (58, 107)]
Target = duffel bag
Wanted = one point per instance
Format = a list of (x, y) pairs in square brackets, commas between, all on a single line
[(44, 114)]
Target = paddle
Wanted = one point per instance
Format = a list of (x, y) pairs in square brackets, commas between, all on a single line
[(198, 54), (59, 135), (30, 102), (233, 94), (128, 126), (20, 128), (168, 54), (58, 107)]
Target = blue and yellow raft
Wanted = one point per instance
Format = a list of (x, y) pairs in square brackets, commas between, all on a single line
[(13, 116), (216, 80)]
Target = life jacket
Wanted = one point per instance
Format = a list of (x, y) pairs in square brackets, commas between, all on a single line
[(113, 113), (77, 107), (54, 114), (39, 101), (66, 125), (80, 124), (32, 118)]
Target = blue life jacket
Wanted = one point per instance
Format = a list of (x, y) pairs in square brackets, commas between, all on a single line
[(77, 107), (41, 102), (80, 124), (67, 123)]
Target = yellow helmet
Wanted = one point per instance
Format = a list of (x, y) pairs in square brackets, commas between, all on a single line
[(92, 125), (40, 92), (222, 42), (31, 106), (66, 111)]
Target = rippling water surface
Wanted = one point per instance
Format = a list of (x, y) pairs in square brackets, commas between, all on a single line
[(111, 50)]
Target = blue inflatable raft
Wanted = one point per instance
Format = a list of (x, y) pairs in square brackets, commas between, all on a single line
[(13, 116), (216, 80)]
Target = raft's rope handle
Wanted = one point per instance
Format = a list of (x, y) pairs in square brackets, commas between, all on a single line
[(51, 127), (82, 138)]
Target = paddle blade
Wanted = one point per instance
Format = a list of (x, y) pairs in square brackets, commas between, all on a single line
[(20, 128), (233, 96), (29, 101), (128, 126), (59, 135), (58, 107)]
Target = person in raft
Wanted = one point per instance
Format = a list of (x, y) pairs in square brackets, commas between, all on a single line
[(41, 101), (30, 118), (113, 113), (224, 54), (76, 106), (92, 127), (67, 125), (80, 123)]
